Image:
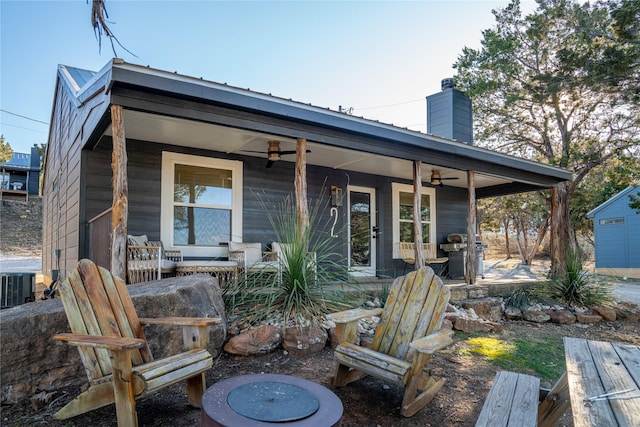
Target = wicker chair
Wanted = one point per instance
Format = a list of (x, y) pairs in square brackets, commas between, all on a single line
[(251, 258), (148, 260)]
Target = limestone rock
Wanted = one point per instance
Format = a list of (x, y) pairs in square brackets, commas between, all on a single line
[(608, 313), (513, 313), (486, 308), (463, 292), (32, 362), (458, 293), (478, 291), (303, 341), (535, 316), (627, 311), (562, 317), (447, 324), (333, 337), (452, 317), (469, 325), (588, 318), (261, 340)]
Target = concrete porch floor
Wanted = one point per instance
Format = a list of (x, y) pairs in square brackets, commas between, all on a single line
[(500, 277)]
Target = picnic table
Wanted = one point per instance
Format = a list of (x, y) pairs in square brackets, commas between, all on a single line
[(604, 382)]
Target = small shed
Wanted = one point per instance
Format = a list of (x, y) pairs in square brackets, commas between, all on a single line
[(617, 235)]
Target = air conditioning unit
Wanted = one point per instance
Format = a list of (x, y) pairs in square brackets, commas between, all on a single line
[(17, 289)]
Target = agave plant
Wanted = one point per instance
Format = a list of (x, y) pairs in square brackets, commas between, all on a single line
[(311, 282), (578, 287)]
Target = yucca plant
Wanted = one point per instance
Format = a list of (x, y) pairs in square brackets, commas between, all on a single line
[(577, 288), (313, 282)]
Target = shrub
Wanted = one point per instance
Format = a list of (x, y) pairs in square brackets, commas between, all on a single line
[(577, 287), (313, 280), (520, 299)]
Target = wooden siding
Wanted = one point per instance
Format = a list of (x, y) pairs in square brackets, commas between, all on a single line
[(144, 169), (618, 245), (63, 179)]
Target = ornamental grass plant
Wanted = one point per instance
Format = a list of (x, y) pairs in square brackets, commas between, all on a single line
[(577, 288), (312, 280)]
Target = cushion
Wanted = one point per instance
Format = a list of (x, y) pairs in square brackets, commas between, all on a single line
[(253, 251), (167, 265), (137, 240)]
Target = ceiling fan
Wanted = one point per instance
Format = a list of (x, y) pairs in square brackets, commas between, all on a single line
[(274, 152), (436, 179)]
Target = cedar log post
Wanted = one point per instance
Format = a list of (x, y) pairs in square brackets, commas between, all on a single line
[(470, 271), (417, 214), (302, 208), (120, 206)]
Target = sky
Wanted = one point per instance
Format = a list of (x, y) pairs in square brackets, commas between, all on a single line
[(379, 58)]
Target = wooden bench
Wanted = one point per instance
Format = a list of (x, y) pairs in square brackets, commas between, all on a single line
[(512, 401)]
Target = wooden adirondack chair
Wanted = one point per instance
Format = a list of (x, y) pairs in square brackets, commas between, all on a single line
[(407, 335), (114, 351)]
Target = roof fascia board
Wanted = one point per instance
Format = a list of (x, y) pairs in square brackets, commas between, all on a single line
[(79, 95)]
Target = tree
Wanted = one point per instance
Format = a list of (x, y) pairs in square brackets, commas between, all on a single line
[(634, 202), (543, 88), (6, 152), (526, 214)]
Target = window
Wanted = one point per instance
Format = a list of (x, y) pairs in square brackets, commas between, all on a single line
[(201, 203), (611, 221), (402, 203)]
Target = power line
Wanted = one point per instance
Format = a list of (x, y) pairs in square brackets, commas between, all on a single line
[(22, 127), (388, 105), (24, 117)]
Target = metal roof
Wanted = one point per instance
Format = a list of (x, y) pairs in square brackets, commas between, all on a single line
[(231, 110), (19, 161), (78, 77)]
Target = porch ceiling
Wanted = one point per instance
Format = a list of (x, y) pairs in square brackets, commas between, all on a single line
[(187, 133)]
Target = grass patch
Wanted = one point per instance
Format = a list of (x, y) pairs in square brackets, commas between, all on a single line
[(545, 358)]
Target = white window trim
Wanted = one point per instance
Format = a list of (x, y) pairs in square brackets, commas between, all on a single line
[(169, 160), (396, 189)]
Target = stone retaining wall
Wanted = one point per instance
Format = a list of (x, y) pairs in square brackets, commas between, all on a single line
[(32, 362)]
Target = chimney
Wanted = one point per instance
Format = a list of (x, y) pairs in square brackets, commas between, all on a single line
[(35, 158), (449, 113)]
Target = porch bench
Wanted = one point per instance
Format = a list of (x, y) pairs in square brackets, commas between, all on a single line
[(512, 401)]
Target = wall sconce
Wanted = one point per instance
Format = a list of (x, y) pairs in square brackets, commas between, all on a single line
[(336, 196)]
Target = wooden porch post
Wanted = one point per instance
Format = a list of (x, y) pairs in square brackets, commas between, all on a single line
[(302, 207), (120, 202), (417, 214), (470, 271)]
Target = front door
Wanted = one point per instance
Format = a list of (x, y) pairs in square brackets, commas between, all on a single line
[(362, 226)]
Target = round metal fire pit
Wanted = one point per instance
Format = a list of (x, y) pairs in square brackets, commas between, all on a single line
[(262, 400)]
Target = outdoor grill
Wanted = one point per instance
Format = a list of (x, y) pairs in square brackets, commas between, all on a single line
[(456, 248)]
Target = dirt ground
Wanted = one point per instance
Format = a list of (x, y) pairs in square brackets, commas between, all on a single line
[(21, 227), (368, 402)]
